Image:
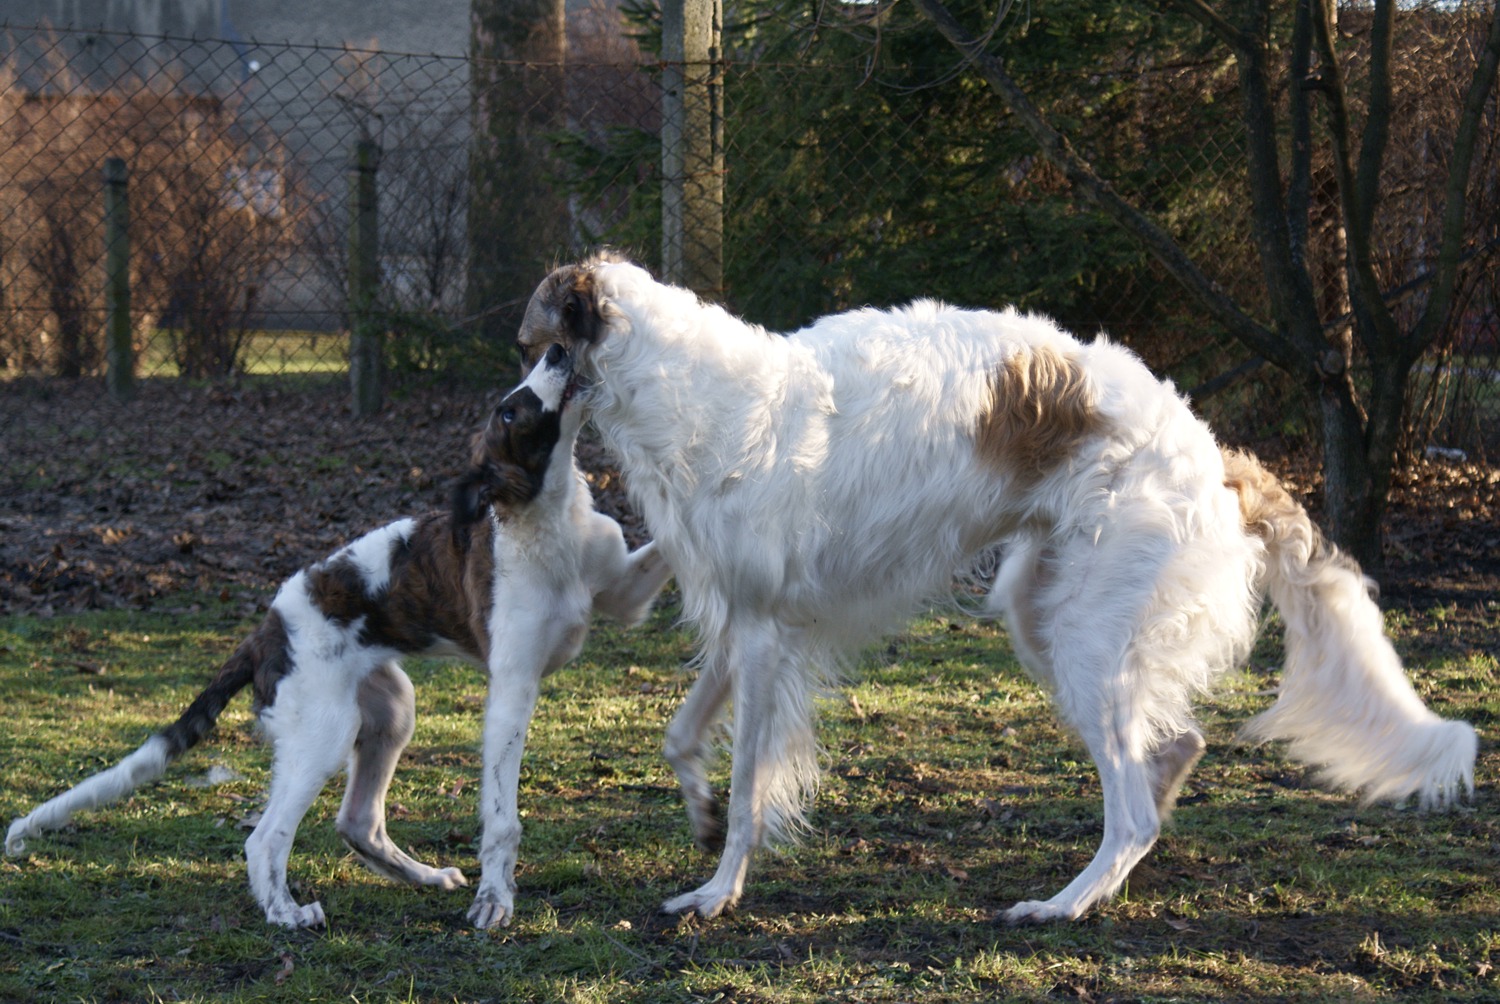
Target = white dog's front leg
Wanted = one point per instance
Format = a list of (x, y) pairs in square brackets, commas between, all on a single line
[(687, 750), (512, 699), (759, 777)]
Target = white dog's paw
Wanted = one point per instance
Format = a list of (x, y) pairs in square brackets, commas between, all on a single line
[(491, 909), (707, 821), (447, 879), (1035, 911), (707, 902), (296, 917)]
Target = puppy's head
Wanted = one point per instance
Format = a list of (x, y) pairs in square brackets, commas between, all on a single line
[(569, 309), (528, 438)]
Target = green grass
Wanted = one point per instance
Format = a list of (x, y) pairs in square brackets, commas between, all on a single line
[(950, 792), (266, 353)]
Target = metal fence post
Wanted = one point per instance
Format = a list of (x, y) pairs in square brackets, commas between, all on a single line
[(692, 146), (119, 353), (366, 351)]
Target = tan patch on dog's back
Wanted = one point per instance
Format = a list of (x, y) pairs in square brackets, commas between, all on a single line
[(1041, 407)]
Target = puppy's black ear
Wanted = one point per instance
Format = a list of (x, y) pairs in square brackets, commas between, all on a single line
[(468, 502), (483, 485)]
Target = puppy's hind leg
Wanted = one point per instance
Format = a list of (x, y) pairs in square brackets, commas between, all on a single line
[(387, 709), (309, 749), (686, 749)]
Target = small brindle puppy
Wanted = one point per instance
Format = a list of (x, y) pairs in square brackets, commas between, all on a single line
[(506, 580)]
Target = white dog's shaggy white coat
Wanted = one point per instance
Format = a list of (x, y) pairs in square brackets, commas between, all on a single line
[(813, 490), (507, 581)]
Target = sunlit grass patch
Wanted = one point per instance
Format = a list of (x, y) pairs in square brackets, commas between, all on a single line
[(262, 353), (949, 792)]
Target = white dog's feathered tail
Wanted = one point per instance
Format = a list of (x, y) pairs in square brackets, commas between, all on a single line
[(1345, 704)]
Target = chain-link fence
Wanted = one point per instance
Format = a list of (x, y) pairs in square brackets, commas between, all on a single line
[(865, 169), (237, 159)]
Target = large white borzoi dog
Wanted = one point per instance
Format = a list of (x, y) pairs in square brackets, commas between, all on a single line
[(812, 490), (507, 580)]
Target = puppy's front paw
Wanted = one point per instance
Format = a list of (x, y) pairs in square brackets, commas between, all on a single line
[(491, 909), (297, 917)]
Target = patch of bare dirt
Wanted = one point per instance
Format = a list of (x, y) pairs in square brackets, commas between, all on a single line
[(227, 489)]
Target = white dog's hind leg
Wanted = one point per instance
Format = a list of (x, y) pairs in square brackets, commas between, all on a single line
[(687, 750), (1104, 687), (309, 749), (746, 786), (1170, 765), (774, 765), (387, 707), (1022, 576), (1131, 826)]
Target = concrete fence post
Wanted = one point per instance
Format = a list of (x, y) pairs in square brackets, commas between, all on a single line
[(366, 333), (692, 146), (119, 352)]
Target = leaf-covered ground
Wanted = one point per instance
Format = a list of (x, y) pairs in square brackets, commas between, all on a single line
[(229, 489), (221, 489)]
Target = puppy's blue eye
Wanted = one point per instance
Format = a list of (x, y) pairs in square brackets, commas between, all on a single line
[(508, 415)]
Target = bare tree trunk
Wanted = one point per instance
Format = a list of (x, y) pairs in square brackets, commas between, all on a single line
[(518, 217), (1351, 507)]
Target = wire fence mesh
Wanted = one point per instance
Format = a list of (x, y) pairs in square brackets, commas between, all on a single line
[(238, 159), (851, 174)]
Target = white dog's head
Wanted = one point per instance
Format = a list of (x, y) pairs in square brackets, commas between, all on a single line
[(569, 309)]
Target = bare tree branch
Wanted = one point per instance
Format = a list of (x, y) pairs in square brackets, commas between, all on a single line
[(1205, 15), (1288, 282), (1157, 241), (1299, 184), (1377, 116), (1357, 200), (1449, 257)]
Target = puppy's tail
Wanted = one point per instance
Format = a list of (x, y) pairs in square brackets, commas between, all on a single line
[(1345, 704), (264, 652)]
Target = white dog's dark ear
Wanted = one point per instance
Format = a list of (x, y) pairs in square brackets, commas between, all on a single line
[(580, 312)]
